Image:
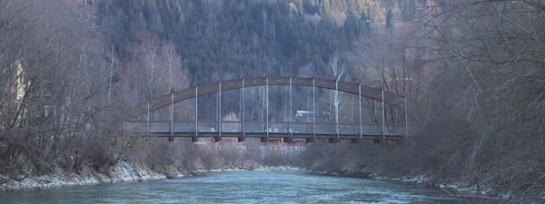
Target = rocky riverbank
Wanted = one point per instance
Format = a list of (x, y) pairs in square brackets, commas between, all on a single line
[(475, 193), (127, 172), (478, 194), (121, 172)]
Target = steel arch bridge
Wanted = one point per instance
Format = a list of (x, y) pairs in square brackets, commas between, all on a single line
[(267, 130)]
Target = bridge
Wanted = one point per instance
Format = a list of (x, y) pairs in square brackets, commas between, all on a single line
[(310, 129)]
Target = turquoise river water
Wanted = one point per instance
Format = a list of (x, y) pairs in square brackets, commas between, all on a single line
[(240, 187)]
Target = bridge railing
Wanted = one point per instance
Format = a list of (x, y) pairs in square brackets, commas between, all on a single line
[(261, 127)]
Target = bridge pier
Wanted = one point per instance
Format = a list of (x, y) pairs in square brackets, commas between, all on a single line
[(309, 140), (217, 139), (241, 139), (288, 139)]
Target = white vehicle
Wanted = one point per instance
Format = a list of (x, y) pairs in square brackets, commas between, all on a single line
[(304, 116)]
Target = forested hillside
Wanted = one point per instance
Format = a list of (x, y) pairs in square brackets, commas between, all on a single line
[(229, 39), (222, 40)]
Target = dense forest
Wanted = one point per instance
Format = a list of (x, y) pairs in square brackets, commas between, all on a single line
[(473, 73)]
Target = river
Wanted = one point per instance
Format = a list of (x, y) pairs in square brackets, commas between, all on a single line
[(240, 187)]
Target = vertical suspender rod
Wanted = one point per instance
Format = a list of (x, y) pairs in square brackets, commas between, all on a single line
[(220, 111), (314, 108), (290, 126), (242, 107), (171, 138), (383, 117), (196, 111), (337, 101), (267, 104), (149, 128), (406, 120), (361, 116)]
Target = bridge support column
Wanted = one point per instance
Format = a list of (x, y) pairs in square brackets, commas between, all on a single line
[(241, 139), (195, 137), (217, 139), (288, 139)]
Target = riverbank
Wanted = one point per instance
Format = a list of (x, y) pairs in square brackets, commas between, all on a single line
[(127, 172), (257, 186), (474, 193), (121, 172)]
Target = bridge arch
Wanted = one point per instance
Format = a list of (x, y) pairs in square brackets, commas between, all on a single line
[(201, 90), (266, 130)]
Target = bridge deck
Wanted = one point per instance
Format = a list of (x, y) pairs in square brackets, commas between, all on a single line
[(276, 130)]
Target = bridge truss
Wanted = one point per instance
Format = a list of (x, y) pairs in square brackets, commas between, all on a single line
[(267, 130)]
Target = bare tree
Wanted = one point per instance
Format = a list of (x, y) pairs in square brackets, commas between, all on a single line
[(54, 91), (490, 80)]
